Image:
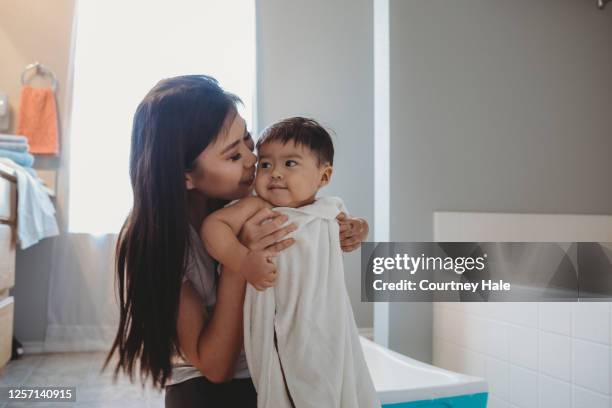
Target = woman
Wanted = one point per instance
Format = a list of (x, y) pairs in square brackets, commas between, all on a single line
[(181, 321)]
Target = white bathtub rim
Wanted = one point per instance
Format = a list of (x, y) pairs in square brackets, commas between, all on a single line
[(427, 393), (457, 383)]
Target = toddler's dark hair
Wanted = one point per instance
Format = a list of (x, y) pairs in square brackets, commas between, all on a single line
[(302, 131)]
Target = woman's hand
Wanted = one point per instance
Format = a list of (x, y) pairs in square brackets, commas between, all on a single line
[(352, 232), (265, 230)]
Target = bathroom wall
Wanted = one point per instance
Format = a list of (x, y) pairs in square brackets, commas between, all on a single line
[(496, 105), (35, 31), (545, 355)]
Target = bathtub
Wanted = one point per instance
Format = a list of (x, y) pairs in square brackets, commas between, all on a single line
[(402, 382)]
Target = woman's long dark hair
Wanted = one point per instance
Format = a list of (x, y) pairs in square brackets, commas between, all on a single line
[(173, 124)]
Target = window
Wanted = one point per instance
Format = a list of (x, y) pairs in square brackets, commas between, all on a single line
[(122, 49)]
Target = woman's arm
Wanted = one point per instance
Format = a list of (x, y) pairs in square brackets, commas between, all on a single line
[(212, 343)]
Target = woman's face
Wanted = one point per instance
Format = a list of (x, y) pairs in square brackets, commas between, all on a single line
[(226, 168)]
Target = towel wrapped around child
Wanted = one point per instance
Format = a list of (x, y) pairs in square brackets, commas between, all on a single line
[(300, 337)]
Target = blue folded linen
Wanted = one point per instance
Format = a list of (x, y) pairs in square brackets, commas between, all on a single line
[(22, 159), (13, 138), (15, 147)]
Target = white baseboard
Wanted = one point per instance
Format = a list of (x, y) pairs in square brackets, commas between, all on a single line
[(367, 332), (37, 347), (33, 347)]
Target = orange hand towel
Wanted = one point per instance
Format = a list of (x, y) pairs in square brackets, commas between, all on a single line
[(37, 119)]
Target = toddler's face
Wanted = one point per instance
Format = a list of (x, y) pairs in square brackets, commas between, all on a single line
[(289, 175)]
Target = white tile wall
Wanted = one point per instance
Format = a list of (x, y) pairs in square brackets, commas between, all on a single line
[(533, 355), (555, 355), (497, 403), (547, 355), (591, 321), (555, 317), (497, 375), (523, 387), (523, 343), (588, 399), (554, 393), (591, 366)]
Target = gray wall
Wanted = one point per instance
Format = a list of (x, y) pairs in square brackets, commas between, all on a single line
[(496, 105), (315, 58)]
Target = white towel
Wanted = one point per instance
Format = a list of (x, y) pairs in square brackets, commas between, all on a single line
[(318, 343), (35, 211)]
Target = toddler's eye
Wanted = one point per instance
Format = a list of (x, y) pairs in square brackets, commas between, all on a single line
[(264, 165), (290, 163), (236, 157)]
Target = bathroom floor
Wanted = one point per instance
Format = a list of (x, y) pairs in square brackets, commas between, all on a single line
[(81, 370)]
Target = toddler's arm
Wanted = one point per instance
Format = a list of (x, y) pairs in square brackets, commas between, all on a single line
[(219, 234)]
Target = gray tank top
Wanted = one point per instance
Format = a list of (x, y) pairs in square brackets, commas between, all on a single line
[(201, 272)]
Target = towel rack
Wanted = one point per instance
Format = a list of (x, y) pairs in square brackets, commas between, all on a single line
[(40, 70)]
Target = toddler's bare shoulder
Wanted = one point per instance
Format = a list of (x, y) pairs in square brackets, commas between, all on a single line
[(253, 202)]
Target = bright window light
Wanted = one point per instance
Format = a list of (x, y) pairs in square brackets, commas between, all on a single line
[(122, 49)]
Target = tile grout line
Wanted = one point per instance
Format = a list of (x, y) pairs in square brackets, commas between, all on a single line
[(571, 338), (539, 348), (508, 360)]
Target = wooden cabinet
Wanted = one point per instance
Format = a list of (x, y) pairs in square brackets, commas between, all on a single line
[(6, 330), (8, 215), (7, 259), (8, 199)]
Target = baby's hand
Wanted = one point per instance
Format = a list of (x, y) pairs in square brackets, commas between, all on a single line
[(352, 232), (259, 270)]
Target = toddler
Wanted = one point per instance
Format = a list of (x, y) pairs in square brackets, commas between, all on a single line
[(300, 339)]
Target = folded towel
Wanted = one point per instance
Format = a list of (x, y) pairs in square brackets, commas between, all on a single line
[(13, 138), (35, 211), (318, 360), (37, 119), (21, 158), (15, 147)]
